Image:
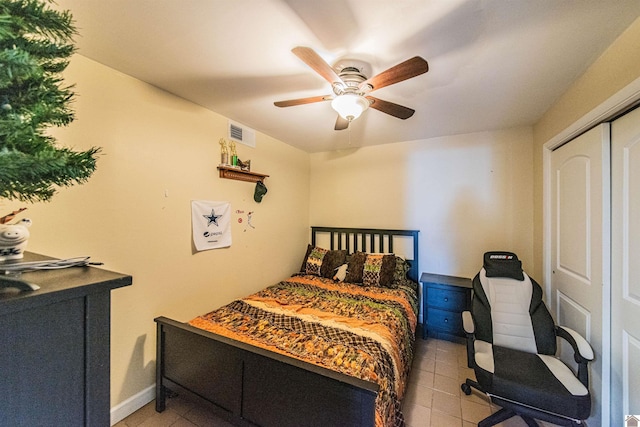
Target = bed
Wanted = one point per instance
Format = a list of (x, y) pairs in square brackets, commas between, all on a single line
[(306, 351)]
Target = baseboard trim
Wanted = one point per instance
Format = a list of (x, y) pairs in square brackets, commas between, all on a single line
[(123, 409)]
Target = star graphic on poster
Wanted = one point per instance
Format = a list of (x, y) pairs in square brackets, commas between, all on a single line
[(213, 218)]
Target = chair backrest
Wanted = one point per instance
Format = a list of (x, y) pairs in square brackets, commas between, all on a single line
[(507, 307)]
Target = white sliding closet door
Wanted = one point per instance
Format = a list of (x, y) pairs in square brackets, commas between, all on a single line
[(579, 186), (625, 267)]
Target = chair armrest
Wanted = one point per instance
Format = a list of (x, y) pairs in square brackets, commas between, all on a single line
[(583, 353), (579, 344), (469, 328), (467, 322)]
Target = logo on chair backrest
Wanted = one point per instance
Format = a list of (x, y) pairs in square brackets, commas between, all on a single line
[(500, 256)]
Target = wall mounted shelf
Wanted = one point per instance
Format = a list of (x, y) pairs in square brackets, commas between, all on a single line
[(240, 175)]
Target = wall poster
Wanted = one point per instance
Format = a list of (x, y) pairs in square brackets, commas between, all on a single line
[(211, 223)]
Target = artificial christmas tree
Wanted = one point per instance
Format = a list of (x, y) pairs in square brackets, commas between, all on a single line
[(36, 43)]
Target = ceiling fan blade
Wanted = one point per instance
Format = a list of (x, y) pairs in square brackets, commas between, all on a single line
[(313, 60), (405, 70), (302, 101), (341, 123), (391, 108)]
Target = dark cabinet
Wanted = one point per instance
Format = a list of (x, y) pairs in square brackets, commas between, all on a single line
[(54, 347), (444, 298)]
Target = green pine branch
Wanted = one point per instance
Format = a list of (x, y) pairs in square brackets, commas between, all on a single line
[(35, 46), (32, 17), (28, 177)]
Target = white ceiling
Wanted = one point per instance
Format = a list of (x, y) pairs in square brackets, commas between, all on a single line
[(494, 64)]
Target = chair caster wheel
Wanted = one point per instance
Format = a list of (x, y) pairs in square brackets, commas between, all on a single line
[(466, 388)]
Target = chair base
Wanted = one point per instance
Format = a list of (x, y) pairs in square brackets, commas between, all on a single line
[(503, 415), (511, 409)]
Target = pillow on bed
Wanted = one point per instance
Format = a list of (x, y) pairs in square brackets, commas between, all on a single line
[(379, 270), (402, 269), (322, 262), (355, 267), (372, 269)]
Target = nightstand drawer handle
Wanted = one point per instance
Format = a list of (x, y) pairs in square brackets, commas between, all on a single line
[(446, 320), (446, 299)]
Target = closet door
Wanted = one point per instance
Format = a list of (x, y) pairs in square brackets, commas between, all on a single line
[(625, 267), (579, 209)]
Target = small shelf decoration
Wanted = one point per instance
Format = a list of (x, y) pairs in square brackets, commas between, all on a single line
[(230, 172), (231, 167), (234, 153), (224, 152)]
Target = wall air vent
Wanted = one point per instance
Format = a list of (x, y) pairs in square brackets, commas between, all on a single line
[(242, 134)]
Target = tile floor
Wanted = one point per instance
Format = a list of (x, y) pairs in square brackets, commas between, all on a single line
[(433, 397)]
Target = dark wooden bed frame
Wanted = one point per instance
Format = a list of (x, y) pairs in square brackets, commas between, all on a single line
[(250, 386)]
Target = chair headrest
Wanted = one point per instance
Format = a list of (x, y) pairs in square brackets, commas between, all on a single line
[(503, 264)]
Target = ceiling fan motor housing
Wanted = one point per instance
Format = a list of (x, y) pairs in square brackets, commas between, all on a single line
[(352, 72), (350, 101)]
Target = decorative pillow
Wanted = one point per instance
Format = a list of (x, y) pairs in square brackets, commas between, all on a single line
[(371, 269), (355, 267), (379, 270), (322, 262), (332, 261), (314, 261), (402, 268)]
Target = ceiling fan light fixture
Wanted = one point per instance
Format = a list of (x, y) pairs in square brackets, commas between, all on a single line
[(350, 105)]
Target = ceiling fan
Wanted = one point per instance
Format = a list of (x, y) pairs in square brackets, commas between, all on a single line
[(351, 86)]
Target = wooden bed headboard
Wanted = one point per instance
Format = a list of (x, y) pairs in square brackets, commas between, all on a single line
[(403, 243)]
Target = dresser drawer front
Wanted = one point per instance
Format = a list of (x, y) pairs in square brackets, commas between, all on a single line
[(445, 321), (446, 299)]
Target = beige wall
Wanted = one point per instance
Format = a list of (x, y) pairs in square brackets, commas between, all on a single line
[(617, 67), (467, 194), (159, 153)]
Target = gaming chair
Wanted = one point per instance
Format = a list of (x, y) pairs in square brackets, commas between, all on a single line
[(511, 346)]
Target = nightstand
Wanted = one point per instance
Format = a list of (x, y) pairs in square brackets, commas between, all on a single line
[(444, 298)]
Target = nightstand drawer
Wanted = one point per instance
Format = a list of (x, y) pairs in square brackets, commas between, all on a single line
[(447, 299), (447, 321)]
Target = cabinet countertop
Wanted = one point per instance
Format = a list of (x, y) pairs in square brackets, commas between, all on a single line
[(58, 284)]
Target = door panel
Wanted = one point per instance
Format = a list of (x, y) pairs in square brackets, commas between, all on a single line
[(578, 188), (573, 207), (572, 313), (625, 266)]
